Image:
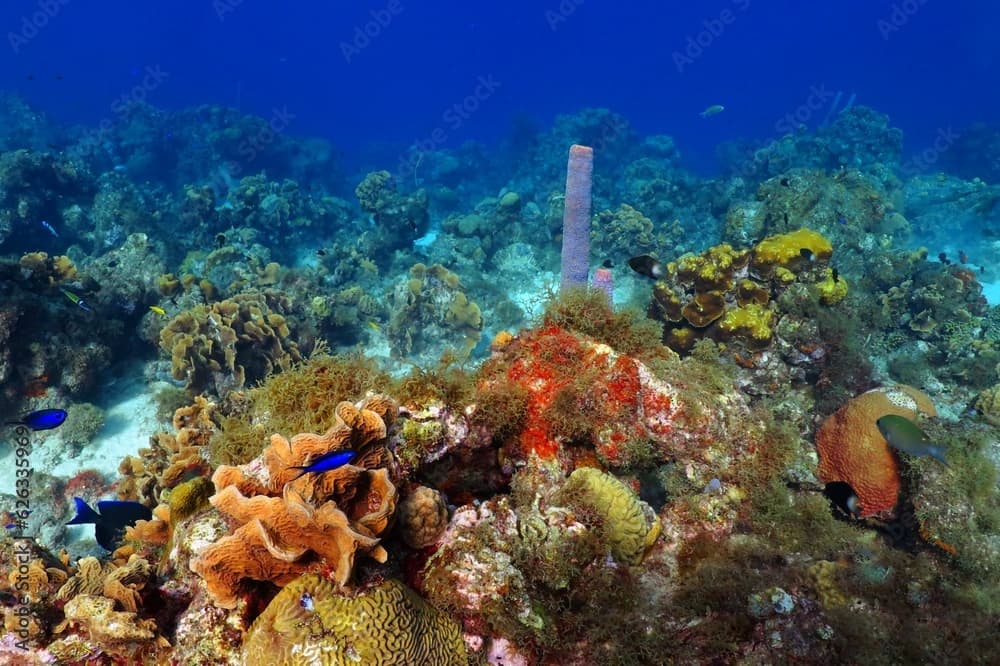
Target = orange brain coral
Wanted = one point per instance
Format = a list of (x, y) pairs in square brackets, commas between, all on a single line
[(852, 450)]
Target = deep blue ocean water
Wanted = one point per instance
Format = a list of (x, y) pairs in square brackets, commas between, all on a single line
[(367, 74)]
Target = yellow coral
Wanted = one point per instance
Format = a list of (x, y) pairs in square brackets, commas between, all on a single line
[(786, 249), (628, 528), (832, 291), (386, 625), (823, 576), (750, 321)]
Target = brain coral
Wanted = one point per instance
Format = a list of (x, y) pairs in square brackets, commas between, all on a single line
[(629, 529), (852, 450), (307, 623)]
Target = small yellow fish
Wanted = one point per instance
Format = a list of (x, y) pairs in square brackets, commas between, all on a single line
[(374, 325), (158, 310)]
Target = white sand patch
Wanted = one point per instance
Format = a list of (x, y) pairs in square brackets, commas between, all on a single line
[(991, 290), (130, 419)]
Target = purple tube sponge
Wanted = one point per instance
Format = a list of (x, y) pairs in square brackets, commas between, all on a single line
[(576, 218)]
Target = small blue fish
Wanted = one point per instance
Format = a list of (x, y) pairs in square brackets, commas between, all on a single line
[(110, 523), (49, 228), (42, 419), (327, 462), (306, 601)]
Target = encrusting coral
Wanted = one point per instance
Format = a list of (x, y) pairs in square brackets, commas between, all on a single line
[(852, 450), (308, 623), (733, 295), (291, 523)]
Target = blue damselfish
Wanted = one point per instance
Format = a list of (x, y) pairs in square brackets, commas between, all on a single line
[(327, 462), (42, 419)]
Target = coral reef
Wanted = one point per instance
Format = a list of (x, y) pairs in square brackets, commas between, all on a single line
[(291, 523), (423, 517), (735, 295), (386, 624), (852, 450), (431, 313), (231, 343)]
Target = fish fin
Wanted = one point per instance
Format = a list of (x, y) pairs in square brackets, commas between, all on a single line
[(84, 514), (109, 537)]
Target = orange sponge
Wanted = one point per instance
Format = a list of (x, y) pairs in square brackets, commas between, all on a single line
[(851, 448)]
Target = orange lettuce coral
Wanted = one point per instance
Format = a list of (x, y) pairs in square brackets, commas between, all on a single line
[(288, 526), (852, 450)]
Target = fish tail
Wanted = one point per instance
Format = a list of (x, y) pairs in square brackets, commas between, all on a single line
[(938, 455), (84, 514)]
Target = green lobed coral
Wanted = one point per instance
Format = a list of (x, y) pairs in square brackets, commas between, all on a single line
[(308, 623)]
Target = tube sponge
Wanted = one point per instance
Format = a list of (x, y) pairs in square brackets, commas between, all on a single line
[(576, 218)]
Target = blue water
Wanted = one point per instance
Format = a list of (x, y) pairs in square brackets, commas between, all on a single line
[(366, 74)]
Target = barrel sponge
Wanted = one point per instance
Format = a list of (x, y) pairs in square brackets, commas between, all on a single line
[(308, 623), (629, 529), (852, 450)]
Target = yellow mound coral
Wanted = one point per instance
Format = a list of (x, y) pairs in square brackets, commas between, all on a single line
[(308, 624), (751, 322), (832, 290), (785, 250), (628, 529)]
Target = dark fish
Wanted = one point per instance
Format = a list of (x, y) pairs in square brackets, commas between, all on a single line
[(220, 240), (835, 274), (327, 462), (110, 523), (646, 265), (42, 419), (807, 254), (904, 435), (943, 258), (785, 182), (608, 264), (321, 252), (112, 263), (843, 498)]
